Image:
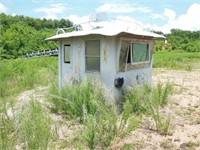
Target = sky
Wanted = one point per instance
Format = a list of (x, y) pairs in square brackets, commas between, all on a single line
[(159, 15)]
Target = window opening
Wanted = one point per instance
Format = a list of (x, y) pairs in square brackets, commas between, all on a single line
[(67, 53), (92, 55)]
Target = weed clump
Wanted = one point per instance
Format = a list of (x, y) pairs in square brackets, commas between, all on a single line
[(102, 121), (35, 127), (145, 100)]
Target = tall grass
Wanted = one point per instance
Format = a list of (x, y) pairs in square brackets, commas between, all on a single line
[(29, 129), (150, 101), (21, 74), (178, 60), (7, 126), (102, 122), (16, 76), (35, 127), (77, 100)]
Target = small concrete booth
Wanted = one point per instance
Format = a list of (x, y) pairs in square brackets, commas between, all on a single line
[(119, 57)]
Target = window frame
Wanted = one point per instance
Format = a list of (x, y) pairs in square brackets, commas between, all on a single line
[(67, 61), (93, 56), (131, 53)]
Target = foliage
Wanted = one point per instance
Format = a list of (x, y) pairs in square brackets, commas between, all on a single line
[(29, 129), (7, 126), (16, 76), (76, 100), (102, 122), (35, 127), (21, 74), (175, 60), (179, 40), (150, 101), (19, 34)]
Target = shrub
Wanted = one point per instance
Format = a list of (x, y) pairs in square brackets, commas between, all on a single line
[(76, 100), (102, 122)]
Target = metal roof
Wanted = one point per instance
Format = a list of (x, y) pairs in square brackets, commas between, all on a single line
[(105, 32)]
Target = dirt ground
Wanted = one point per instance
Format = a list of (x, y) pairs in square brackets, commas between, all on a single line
[(183, 108)]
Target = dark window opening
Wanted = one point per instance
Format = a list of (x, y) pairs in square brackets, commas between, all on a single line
[(129, 55), (67, 53)]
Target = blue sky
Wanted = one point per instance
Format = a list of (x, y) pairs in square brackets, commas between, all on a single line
[(156, 14)]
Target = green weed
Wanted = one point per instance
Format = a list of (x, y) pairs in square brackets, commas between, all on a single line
[(192, 144), (35, 127), (145, 100), (76, 100), (21, 74), (90, 131), (102, 122), (176, 60), (7, 126)]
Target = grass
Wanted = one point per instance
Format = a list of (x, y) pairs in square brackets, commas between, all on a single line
[(145, 100), (166, 144), (35, 127), (178, 60), (192, 144), (29, 129), (102, 122), (7, 126), (22, 74), (76, 100), (16, 76)]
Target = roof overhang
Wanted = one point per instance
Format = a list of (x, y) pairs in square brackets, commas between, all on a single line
[(105, 32)]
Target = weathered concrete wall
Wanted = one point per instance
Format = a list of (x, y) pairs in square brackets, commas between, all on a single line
[(109, 64)]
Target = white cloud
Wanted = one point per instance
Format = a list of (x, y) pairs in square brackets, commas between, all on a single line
[(187, 21), (157, 16), (78, 20), (190, 20), (122, 8), (52, 10), (3, 8), (169, 13), (125, 22)]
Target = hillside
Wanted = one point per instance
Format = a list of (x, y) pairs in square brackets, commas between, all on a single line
[(20, 34)]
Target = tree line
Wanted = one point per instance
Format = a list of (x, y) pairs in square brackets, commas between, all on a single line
[(180, 40), (20, 34)]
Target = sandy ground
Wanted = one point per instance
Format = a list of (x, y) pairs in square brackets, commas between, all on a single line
[(183, 108)]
